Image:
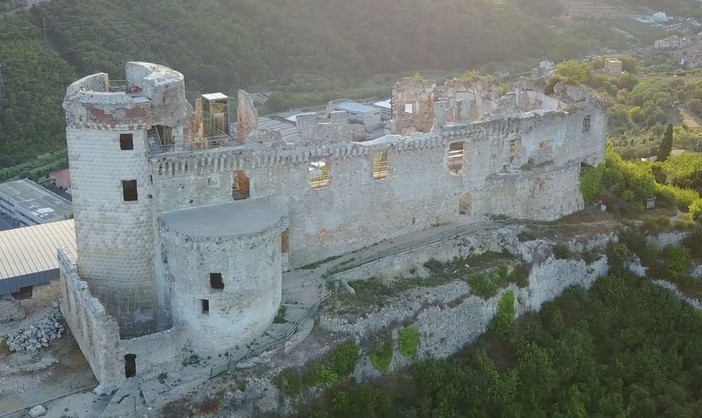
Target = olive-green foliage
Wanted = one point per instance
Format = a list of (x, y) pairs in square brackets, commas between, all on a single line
[(696, 210), (634, 182), (679, 197), (683, 171), (561, 251), (617, 258), (655, 224), (324, 372), (504, 317), (35, 77), (408, 341), (693, 243), (381, 353), (676, 261), (486, 284), (591, 183), (37, 168), (626, 347), (574, 72)]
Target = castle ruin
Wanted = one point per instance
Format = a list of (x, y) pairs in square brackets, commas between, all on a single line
[(184, 224)]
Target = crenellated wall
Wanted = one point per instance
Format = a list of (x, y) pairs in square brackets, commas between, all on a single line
[(536, 179)]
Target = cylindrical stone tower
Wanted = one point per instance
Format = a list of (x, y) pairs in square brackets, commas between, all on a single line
[(110, 129), (224, 265)]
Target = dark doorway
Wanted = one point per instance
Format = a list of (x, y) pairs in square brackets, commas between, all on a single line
[(130, 365)]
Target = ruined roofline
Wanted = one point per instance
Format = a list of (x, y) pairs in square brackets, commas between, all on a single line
[(142, 79), (252, 156)]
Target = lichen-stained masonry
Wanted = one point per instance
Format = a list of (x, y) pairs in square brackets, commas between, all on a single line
[(272, 203)]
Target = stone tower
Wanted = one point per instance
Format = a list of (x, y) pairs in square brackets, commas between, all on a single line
[(111, 128)]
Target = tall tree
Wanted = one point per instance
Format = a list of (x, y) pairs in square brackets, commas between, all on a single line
[(666, 144)]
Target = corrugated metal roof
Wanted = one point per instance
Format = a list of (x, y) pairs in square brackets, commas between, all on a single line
[(287, 131), (33, 249), (355, 107)]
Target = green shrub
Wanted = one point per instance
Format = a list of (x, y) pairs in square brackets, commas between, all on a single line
[(381, 355), (408, 341), (520, 275), (591, 183), (677, 261), (695, 210), (504, 317), (486, 284), (343, 358), (693, 243), (561, 251), (288, 381), (677, 196), (655, 224)]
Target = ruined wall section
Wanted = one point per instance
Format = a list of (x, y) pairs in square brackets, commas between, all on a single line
[(112, 191), (532, 157), (95, 331), (421, 95), (246, 115)]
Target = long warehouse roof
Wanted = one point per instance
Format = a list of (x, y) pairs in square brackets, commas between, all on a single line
[(33, 249)]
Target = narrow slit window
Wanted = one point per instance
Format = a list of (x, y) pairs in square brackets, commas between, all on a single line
[(380, 165), (129, 190), (216, 281), (126, 142), (515, 148), (285, 241), (319, 174), (205, 305), (587, 120), (240, 188), (455, 157)]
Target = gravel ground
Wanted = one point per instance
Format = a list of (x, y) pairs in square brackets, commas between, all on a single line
[(31, 378)]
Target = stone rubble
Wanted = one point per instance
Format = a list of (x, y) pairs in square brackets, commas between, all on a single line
[(37, 335)]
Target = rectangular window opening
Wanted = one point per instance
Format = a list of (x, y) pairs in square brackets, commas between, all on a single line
[(455, 157), (380, 165), (319, 174), (240, 188), (126, 142), (205, 306), (586, 123), (129, 190), (216, 281)]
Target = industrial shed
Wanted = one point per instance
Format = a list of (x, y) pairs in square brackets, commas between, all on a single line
[(28, 255)]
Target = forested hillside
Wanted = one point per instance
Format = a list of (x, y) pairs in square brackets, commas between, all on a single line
[(222, 45), (227, 44)]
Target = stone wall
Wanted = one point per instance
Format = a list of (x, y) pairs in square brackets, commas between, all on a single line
[(524, 167), (225, 288), (114, 232), (97, 333)]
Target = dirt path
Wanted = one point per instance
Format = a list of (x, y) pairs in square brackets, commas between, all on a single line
[(689, 118)]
